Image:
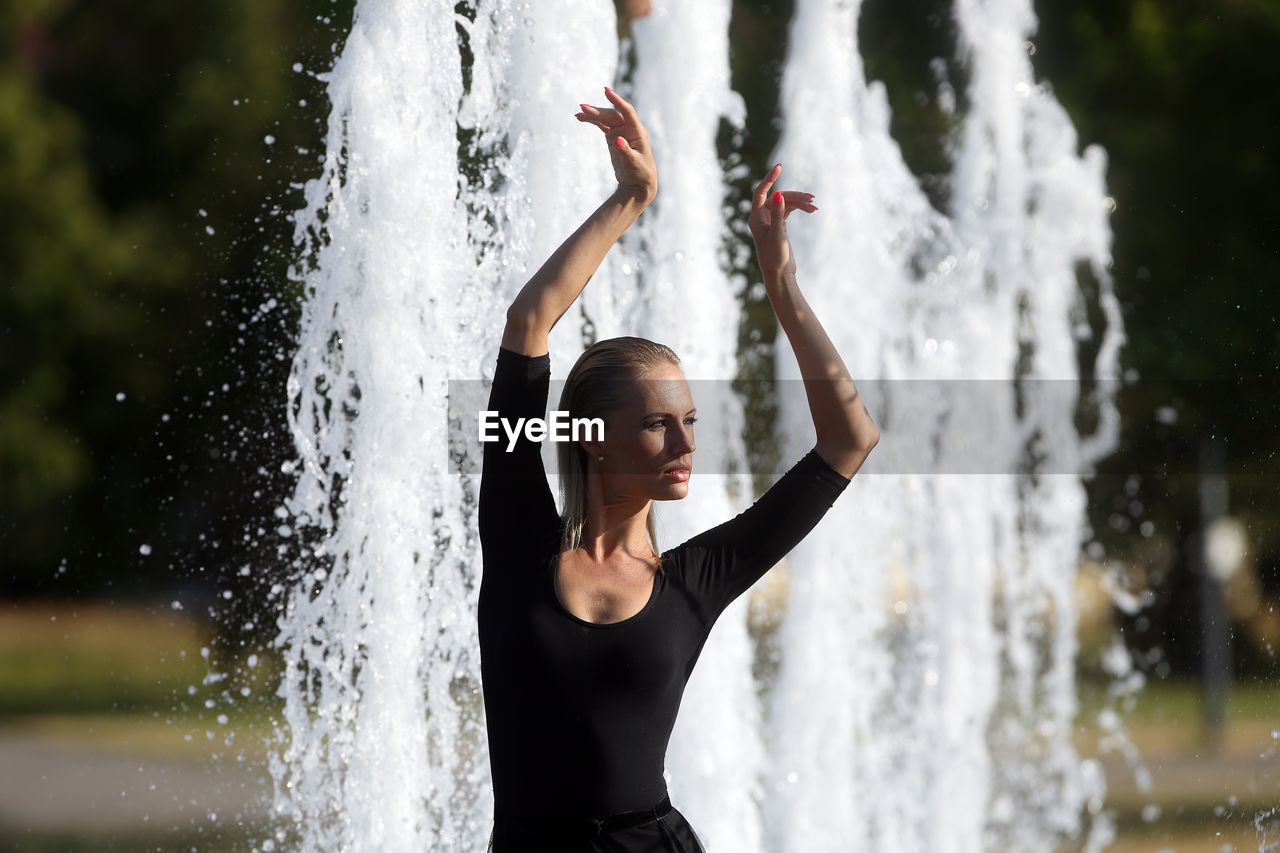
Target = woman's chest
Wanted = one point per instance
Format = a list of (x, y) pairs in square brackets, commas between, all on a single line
[(602, 594), (649, 653)]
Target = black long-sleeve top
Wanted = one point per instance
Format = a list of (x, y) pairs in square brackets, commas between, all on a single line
[(579, 714)]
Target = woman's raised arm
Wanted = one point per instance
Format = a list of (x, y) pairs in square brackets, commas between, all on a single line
[(545, 297), (845, 430)]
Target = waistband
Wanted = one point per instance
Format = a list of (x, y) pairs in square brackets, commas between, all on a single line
[(589, 826)]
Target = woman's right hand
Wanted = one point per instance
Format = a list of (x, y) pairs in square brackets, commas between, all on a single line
[(768, 224), (629, 150)]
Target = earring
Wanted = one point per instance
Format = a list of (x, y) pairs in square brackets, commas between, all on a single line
[(599, 458)]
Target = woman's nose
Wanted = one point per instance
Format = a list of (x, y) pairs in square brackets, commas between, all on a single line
[(684, 441)]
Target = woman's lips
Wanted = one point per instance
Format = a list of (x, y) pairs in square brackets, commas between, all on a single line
[(680, 475)]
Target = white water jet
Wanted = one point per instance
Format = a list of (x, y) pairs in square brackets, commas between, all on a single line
[(926, 689), (926, 695), (383, 747)]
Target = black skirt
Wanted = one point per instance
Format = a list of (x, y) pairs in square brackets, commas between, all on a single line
[(661, 829)]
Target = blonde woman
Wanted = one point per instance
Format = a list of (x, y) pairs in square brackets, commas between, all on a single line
[(588, 632)]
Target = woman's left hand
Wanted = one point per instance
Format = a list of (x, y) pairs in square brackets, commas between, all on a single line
[(633, 164), (768, 223)]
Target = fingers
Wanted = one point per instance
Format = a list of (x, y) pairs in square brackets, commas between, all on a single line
[(762, 189), (587, 120), (606, 119), (603, 114), (627, 111), (793, 200), (778, 226), (798, 201), (778, 202)]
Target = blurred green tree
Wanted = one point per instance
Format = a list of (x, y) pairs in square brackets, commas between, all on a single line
[(146, 153), (1182, 96)]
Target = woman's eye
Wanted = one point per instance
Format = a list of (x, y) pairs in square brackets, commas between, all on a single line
[(663, 422)]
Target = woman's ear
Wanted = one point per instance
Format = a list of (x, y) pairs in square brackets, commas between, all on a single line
[(593, 439), (593, 449)]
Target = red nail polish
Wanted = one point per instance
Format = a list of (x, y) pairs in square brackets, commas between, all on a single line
[(777, 197), (618, 141), (584, 107)]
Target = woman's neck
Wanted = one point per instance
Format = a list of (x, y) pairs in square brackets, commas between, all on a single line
[(617, 527)]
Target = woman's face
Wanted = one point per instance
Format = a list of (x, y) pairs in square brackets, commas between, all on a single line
[(648, 446)]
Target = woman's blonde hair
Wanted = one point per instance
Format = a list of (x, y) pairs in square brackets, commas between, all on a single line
[(601, 382)]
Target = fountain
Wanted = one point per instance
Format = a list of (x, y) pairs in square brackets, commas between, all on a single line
[(926, 694), (925, 690)]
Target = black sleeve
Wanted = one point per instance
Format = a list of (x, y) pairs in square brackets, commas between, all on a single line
[(723, 562), (517, 515)]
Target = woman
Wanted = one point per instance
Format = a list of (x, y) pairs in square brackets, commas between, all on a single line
[(587, 636)]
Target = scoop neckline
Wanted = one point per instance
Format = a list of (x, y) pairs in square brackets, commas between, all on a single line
[(555, 596)]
